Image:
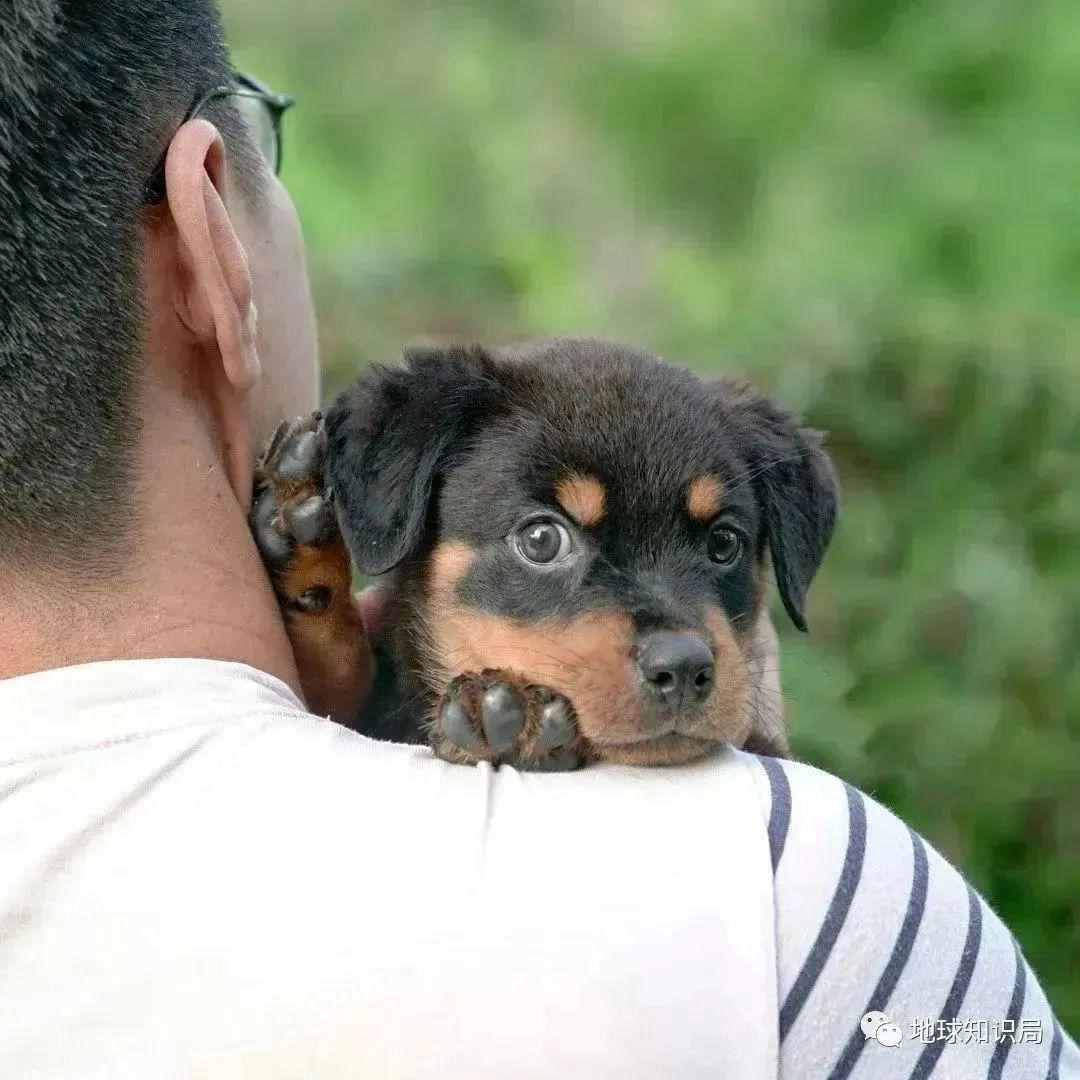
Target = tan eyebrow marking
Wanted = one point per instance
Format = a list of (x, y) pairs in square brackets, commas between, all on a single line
[(582, 497), (705, 497), (450, 562)]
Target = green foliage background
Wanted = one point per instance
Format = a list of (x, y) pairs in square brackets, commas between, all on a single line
[(871, 207)]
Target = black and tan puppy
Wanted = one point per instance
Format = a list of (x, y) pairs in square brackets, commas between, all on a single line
[(580, 537)]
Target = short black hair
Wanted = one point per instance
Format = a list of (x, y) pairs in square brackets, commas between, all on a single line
[(91, 91)]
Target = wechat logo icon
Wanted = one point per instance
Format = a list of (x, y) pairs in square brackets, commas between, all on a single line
[(877, 1025)]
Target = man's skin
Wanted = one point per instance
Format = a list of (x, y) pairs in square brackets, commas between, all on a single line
[(230, 351)]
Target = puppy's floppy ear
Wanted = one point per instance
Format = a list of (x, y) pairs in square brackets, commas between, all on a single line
[(797, 487), (390, 435)]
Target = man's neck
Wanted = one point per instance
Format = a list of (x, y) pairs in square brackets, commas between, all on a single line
[(195, 586)]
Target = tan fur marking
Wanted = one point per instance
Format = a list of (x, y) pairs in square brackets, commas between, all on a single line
[(450, 562), (765, 697), (705, 498), (728, 715), (583, 498), (330, 646)]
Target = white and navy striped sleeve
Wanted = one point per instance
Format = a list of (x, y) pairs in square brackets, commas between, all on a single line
[(871, 919)]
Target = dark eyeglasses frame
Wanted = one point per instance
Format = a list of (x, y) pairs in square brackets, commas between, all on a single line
[(244, 86)]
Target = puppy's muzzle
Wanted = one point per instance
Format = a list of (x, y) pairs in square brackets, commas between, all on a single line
[(676, 669)]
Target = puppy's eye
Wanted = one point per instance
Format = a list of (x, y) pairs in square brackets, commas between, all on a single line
[(543, 542), (725, 545)]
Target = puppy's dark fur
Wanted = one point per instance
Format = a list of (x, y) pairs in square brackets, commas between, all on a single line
[(441, 466)]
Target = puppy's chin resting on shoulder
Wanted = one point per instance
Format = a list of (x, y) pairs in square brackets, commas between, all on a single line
[(580, 537)]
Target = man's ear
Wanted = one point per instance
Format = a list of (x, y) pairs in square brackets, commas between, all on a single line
[(796, 486), (389, 438), (213, 293)]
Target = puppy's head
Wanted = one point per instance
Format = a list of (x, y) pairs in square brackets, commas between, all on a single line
[(591, 518)]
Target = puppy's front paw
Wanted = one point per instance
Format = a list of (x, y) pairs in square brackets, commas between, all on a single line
[(296, 531), (291, 508), (496, 717)]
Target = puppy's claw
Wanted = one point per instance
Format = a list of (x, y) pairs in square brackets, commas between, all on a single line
[(502, 711), (275, 440), (300, 458), (557, 727), (273, 545), (457, 727), (309, 521)]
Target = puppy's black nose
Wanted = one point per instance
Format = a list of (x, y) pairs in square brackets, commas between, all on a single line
[(675, 666)]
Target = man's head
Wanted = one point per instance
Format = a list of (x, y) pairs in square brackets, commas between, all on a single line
[(120, 321)]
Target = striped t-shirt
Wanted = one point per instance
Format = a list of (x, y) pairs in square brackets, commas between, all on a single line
[(870, 919)]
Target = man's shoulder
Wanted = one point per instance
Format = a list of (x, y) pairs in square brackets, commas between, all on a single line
[(228, 749), (256, 869)]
